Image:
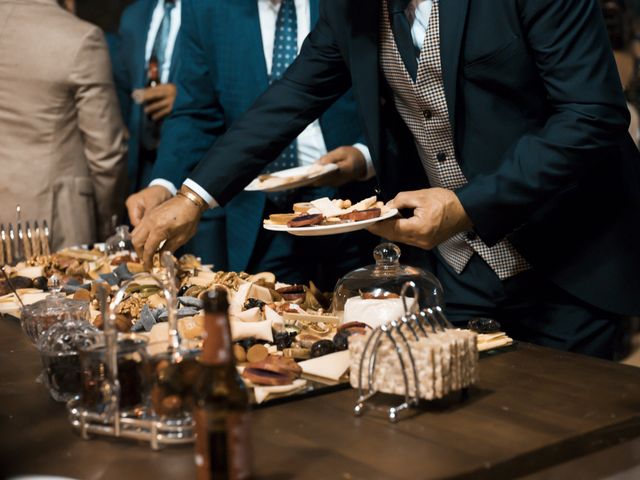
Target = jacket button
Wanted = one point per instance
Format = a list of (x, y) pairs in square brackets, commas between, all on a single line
[(441, 157), (472, 236), (428, 114)]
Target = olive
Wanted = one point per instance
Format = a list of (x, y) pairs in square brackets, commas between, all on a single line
[(42, 283), (341, 340), (253, 303), (484, 325), (183, 289), (282, 340), (322, 347), (247, 343)]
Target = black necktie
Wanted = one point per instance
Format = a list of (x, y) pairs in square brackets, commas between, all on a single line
[(402, 34)]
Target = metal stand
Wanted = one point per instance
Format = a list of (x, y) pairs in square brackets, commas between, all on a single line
[(157, 432), (112, 422), (399, 334)]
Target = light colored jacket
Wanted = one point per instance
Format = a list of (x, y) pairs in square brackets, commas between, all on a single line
[(62, 139)]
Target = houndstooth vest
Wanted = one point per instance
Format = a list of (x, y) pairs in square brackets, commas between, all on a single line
[(423, 107)]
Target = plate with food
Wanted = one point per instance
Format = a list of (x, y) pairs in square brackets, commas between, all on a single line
[(290, 178), (329, 217)]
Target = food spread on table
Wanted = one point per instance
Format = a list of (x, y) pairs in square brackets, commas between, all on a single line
[(325, 211), (284, 336)]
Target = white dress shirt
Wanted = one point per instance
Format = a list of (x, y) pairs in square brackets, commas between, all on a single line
[(421, 22), (154, 26), (311, 145)]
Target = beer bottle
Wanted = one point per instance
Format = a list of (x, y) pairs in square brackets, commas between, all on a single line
[(153, 72), (222, 402)]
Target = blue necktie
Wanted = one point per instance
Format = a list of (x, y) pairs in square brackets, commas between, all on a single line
[(285, 50), (150, 133), (159, 49)]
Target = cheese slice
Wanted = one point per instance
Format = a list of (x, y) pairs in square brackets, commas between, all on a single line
[(327, 207), (262, 393), (331, 366)]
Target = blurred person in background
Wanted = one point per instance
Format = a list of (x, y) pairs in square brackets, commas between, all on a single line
[(62, 140), (144, 65), (619, 21)]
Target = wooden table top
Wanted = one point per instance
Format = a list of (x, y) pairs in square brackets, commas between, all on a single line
[(534, 410)]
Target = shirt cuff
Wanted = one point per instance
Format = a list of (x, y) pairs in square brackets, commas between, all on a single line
[(371, 171), (161, 182), (201, 192)]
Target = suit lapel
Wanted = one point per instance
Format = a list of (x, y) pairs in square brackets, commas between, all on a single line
[(366, 69), (453, 15), (314, 6), (249, 21), (140, 52)]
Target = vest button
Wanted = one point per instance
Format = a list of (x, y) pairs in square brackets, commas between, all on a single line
[(428, 114), (441, 157)]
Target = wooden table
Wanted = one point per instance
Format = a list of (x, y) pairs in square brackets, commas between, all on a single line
[(536, 411)]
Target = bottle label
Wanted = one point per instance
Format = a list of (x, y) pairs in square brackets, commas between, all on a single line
[(223, 448)]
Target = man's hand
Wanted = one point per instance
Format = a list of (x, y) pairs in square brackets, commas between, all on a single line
[(437, 216), (158, 100), (139, 203), (351, 164), (175, 221)]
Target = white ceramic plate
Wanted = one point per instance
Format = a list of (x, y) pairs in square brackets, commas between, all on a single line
[(303, 172), (321, 230)]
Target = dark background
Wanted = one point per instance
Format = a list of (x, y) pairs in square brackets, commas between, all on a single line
[(104, 13)]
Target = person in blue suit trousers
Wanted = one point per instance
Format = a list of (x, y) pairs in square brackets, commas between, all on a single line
[(229, 54), (146, 39)]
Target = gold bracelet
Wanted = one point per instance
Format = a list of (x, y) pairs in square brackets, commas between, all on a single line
[(193, 198)]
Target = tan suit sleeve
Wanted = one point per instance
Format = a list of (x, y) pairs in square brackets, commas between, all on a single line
[(103, 131)]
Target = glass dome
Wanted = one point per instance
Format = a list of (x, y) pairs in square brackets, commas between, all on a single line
[(38, 317), (372, 295)]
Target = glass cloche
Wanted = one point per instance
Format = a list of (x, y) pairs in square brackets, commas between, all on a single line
[(372, 295), (55, 308)]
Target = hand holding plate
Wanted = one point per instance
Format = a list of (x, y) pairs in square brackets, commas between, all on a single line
[(437, 216), (351, 165)]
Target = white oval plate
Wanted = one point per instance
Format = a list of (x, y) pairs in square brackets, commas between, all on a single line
[(307, 179), (321, 230)]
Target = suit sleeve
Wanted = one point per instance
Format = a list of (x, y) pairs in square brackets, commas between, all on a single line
[(574, 60), (101, 125), (316, 79), (197, 119)]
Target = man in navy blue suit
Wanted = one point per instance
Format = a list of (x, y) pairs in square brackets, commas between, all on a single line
[(144, 48), (229, 54), (507, 147)]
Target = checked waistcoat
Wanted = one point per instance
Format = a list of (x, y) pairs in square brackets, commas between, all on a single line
[(422, 105)]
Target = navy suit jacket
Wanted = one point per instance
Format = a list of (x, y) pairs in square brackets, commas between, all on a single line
[(129, 71), (540, 129), (220, 73)]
